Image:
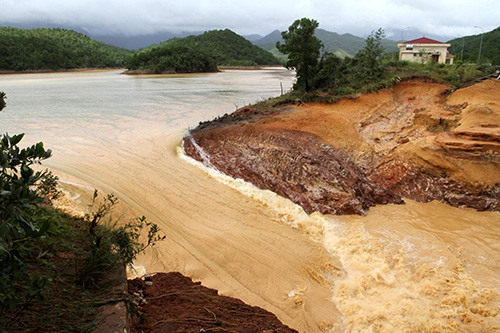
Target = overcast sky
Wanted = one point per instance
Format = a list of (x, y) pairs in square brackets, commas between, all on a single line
[(449, 18)]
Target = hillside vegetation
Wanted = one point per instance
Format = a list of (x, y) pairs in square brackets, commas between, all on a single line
[(227, 48), (170, 59), (490, 51), (55, 49)]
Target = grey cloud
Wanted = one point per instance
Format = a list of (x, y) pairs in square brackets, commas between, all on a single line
[(358, 17)]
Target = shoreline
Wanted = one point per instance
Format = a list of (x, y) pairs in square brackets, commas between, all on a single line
[(219, 69), (150, 72), (70, 70), (132, 72)]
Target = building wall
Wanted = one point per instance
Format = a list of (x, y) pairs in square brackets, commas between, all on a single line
[(423, 52)]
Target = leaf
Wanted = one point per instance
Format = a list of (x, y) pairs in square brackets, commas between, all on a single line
[(14, 140)]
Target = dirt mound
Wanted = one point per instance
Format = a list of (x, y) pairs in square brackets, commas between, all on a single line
[(171, 302), (417, 140)]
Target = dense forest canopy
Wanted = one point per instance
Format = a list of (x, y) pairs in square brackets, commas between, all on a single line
[(490, 50), (54, 49), (227, 48), (173, 59)]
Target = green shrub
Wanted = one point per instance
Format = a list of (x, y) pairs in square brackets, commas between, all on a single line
[(2, 100), (166, 58), (112, 244), (18, 230), (27, 230), (345, 91)]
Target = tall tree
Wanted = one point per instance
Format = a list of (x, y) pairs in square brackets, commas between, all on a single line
[(303, 50), (373, 52)]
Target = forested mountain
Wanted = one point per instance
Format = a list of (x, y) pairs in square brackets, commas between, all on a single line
[(268, 43), (141, 41), (227, 48), (167, 58), (53, 49), (490, 52), (341, 45)]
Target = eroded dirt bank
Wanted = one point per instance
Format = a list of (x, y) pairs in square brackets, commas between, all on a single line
[(417, 140), (171, 302)]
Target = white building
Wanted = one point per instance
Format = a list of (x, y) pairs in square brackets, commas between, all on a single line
[(425, 49)]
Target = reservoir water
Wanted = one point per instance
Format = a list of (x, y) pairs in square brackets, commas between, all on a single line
[(416, 267)]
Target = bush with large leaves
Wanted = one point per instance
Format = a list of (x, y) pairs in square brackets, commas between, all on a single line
[(18, 194)]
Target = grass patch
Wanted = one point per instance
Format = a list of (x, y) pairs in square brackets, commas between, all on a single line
[(391, 73), (62, 304), (70, 268)]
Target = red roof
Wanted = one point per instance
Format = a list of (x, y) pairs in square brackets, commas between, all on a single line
[(423, 40)]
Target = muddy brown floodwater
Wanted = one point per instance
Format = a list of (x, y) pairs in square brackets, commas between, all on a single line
[(415, 267)]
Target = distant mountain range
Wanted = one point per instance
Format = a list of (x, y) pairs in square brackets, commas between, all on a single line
[(410, 33), (342, 45), (142, 41)]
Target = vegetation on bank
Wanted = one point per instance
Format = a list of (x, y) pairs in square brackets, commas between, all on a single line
[(55, 49), (327, 78), (303, 50), (171, 59), (60, 49), (227, 48), (53, 266)]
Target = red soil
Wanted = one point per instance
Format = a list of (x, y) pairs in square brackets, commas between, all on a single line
[(171, 302)]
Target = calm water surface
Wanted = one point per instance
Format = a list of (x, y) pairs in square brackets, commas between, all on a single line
[(417, 267)]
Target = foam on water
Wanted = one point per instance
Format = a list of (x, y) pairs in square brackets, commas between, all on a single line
[(394, 281), (286, 211)]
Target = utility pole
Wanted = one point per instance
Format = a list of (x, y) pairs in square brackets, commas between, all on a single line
[(463, 44), (480, 45), (462, 53)]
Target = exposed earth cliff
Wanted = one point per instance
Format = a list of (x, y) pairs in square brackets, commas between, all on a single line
[(417, 140)]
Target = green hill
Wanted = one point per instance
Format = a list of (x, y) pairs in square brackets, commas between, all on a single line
[(345, 44), (54, 49), (167, 58), (490, 52), (268, 43), (341, 45), (227, 48)]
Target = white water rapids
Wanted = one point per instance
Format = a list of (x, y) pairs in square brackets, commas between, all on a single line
[(416, 267)]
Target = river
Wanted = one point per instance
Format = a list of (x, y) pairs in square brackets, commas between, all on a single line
[(415, 267)]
